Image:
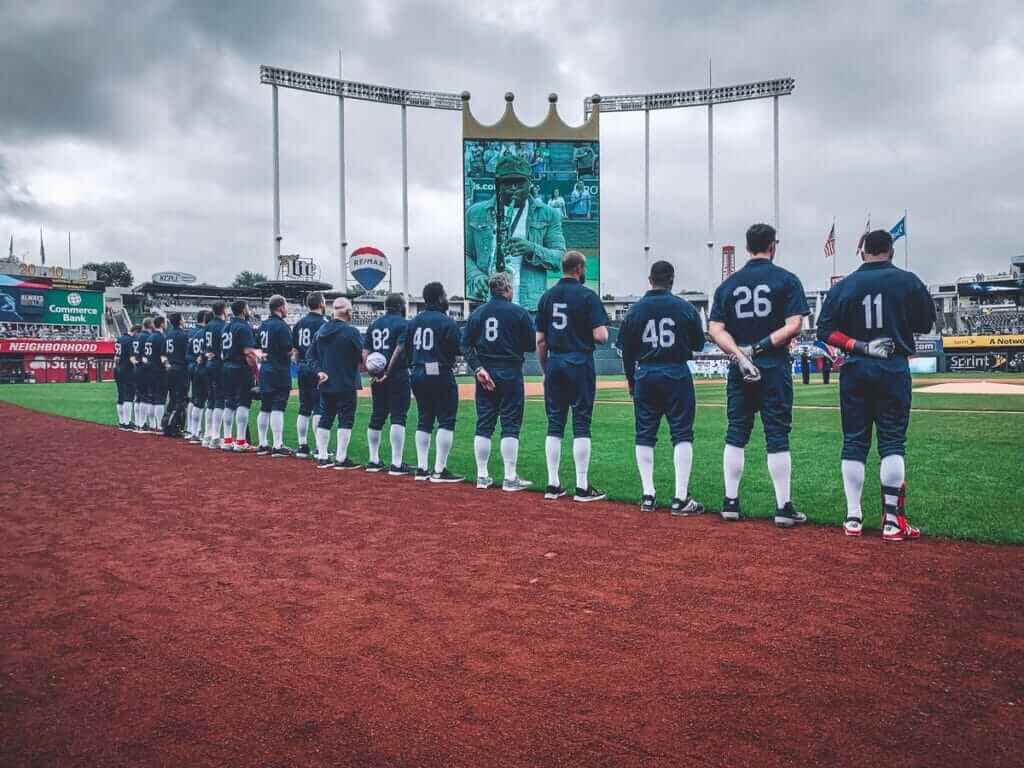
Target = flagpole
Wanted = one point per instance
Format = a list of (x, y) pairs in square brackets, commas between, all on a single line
[(69, 250), (906, 242), (833, 252)]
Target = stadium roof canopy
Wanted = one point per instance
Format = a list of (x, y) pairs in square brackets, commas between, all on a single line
[(289, 288)]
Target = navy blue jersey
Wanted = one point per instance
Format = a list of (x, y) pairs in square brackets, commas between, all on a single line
[(567, 315), (123, 348), (755, 301), (155, 348), (275, 339), (213, 338), (144, 348), (235, 339), (433, 338), (196, 343), (176, 347), (384, 335), (660, 329), (304, 331), (136, 347), (337, 350), (497, 335), (878, 300)]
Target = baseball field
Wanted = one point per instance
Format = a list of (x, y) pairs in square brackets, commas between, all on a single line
[(169, 605)]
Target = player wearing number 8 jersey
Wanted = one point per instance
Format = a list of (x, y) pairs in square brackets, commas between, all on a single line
[(309, 396), (755, 314), (497, 336), (873, 314), (390, 391), (658, 336)]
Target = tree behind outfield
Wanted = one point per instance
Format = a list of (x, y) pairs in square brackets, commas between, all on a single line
[(247, 279), (111, 273)]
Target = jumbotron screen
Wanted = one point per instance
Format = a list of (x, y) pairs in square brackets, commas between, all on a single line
[(527, 203)]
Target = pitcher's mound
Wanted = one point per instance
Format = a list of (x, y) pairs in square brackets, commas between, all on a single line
[(974, 388)]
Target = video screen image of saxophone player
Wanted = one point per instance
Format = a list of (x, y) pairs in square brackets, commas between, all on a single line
[(526, 204)]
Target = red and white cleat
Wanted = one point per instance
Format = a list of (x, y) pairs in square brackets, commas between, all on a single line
[(853, 526), (899, 529)]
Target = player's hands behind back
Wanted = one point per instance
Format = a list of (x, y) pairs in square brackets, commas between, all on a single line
[(881, 348), (485, 379), (750, 371)]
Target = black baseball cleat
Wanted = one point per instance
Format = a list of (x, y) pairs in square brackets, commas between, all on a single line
[(375, 466), (731, 510), (124, 427), (263, 450), (422, 474), (444, 476), (281, 453), (648, 504), (586, 495), (347, 464), (324, 464), (302, 452), (399, 471), (686, 507), (788, 516), (553, 492)]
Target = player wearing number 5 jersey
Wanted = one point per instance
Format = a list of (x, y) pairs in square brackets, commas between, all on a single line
[(275, 340), (570, 321), (755, 314), (873, 314), (658, 336), (390, 391), (309, 396), (433, 339), (497, 336)]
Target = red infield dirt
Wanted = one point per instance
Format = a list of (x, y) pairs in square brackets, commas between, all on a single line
[(168, 605)]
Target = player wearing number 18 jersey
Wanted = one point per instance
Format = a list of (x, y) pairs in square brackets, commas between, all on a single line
[(873, 314), (275, 339), (309, 396), (391, 396), (756, 312)]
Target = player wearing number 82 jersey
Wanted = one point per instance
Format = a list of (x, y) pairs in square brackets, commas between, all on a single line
[(390, 391), (755, 314)]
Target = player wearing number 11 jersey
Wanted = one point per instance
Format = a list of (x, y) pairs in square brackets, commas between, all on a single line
[(756, 312), (391, 396)]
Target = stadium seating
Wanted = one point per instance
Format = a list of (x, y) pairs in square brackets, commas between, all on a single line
[(45, 331)]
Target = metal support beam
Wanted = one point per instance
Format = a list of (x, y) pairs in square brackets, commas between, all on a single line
[(711, 185), (647, 188), (698, 97), (343, 253), (775, 159), (405, 207), (277, 190)]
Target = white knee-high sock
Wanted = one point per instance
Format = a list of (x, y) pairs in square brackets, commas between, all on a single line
[(262, 427), (732, 462), (208, 432), (510, 456), (344, 437), (373, 442), (682, 460), (323, 443), (314, 422), (422, 450), (445, 438), (277, 427), (228, 424), (853, 486), (241, 423), (892, 473), (780, 467), (397, 443), (482, 451), (218, 418), (302, 429), (645, 463), (553, 454), (158, 416), (581, 455)]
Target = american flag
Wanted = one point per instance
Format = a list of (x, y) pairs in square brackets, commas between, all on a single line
[(830, 242)]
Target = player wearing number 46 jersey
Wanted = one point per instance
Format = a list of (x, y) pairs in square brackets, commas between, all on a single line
[(658, 336), (756, 312), (309, 396), (497, 336), (390, 390), (873, 314), (275, 340)]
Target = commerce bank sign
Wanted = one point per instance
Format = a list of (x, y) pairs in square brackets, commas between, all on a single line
[(73, 307)]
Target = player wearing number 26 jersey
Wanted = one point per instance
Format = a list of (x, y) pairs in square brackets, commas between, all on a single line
[(497, 336), (391, 395), (873, 314), (755, 314), (658, 336), (309, 396), (433, 340)]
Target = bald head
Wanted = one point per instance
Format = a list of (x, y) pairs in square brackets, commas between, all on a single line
[(342, 308)]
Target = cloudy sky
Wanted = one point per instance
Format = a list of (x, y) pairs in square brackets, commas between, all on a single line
[(142, 127)]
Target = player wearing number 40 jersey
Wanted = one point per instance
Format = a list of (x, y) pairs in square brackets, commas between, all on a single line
[(275, 340), (873, 314), (390, 390), (497, 336), (309, 396), (658, 336), (755, 314)]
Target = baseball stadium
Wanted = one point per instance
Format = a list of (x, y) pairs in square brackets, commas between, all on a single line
[(520, 513)]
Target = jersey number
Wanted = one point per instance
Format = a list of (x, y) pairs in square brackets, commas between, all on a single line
[(149, 349), (304, 337), (379, 338), (423, 339), (762, 306), (559, 320), (170, 346), (209, 339), (197, 346), (868, 301), (225, 340), (264, 339), (662, 334), (491, 329)]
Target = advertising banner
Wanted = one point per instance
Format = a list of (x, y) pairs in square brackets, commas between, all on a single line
[(369, 266), (73, 307), (18, 305), (978, 342), (1012, 362), (99, 347), (928, 345)]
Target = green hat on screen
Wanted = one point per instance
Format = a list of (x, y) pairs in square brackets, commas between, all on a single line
[(512, 167)]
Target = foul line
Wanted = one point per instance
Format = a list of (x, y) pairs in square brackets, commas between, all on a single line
[(832, 408)]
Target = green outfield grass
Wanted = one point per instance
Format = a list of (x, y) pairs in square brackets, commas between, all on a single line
[(964, 469)]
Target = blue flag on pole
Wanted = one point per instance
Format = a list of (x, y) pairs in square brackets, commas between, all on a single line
[(900, 229)]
